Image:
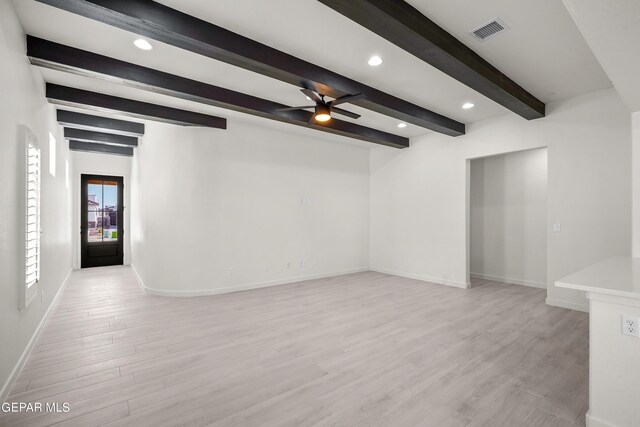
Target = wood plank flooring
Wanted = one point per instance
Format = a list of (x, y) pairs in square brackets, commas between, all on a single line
[(364, 349)]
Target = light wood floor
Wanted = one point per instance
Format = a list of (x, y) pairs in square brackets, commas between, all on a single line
[(365, 349)]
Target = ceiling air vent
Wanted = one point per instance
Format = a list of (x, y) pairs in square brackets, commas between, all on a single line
[(490, 29)]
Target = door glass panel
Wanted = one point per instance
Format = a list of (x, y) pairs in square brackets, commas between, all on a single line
[(94, 195), (94, 208), (110, 211), (102, 211)]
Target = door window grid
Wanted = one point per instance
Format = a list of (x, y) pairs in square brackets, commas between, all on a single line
[(102, 211)]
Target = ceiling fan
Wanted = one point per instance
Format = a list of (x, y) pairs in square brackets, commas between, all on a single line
[(323, 109)]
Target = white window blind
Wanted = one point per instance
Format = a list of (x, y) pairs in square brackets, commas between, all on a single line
[(32, 216)]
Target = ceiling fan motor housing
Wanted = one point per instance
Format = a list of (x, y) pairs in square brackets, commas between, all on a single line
[(323, 109)]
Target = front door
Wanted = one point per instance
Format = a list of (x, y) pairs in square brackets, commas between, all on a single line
[(101, 221)]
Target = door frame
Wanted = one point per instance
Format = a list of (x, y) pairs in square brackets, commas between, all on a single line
[(468, 206), (83, 217)]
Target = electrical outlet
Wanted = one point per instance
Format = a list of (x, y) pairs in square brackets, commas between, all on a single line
[(229, 271), (631, 326), (557, 228), (303, 263), (288, 265)]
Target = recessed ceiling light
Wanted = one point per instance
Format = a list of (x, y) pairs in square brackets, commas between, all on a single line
[(142, 44), (468, 105), (374, 61), (402, 125)]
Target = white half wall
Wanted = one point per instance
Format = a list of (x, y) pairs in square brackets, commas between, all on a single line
[(23, 103), (508, 208), (614, 374), (99, 164), (220, 210), (418, 195)]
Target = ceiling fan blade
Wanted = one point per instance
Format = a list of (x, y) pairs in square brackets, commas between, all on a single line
[(304, 107), (347, 98), (311, 94), (345, 113)]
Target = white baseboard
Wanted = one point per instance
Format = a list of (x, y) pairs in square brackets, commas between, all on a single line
[(568, 304), (435, 280), (595, 422), (509, 280), (6, 388), (245, 287)]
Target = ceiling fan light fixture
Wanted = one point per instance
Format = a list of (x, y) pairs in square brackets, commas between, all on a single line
[(323, 113)]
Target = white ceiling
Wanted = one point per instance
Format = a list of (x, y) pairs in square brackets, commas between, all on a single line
[(543, 51), (612, 29)]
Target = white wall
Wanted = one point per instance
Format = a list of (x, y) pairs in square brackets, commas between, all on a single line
[(418, 195), (270, 205), (22, 102), (611, 29), (635, 134), (508, 208), (99, 164)]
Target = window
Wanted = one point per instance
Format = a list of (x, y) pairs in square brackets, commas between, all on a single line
[(32, 226)]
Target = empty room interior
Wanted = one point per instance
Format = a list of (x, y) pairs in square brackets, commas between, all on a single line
[(320, 213)]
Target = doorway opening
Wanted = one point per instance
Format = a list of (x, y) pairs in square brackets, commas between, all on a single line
[(101, 221), (507, 219)]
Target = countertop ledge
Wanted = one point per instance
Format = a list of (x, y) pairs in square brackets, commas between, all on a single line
[(615, 276)]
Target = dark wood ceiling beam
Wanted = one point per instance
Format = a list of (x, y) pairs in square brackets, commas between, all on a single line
[(72, 97), (65, 58), (72, 119), (91, 147), (403, 25), (100, 137), (159, 22)]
